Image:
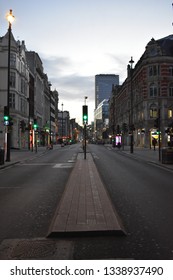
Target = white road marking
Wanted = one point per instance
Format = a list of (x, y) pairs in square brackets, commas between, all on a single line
[(63, 165)]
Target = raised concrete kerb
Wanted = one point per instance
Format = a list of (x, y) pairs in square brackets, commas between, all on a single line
[(85, 207)]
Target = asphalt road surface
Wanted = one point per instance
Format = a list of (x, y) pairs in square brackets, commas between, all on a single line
[(141, 192), (30, 192)]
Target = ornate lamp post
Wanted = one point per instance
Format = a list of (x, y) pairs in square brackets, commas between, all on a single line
[(10, 19)]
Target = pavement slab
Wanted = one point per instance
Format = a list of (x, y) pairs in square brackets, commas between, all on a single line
[(85, 207)]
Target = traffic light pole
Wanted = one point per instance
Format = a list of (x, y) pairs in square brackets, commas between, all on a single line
[(85, 121), (159, 127), (85, 141), (35, 132)]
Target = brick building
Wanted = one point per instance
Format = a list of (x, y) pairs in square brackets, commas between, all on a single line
[(144, 102)]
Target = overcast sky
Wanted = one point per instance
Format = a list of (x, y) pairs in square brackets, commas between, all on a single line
[(77, 39)]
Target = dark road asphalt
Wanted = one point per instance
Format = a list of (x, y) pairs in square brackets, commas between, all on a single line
[(141, 192)]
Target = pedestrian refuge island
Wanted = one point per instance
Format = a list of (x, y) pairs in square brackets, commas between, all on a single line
[(85, 206)]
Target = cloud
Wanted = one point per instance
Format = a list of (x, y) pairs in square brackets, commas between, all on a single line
[(61, 74), (56, 66), (75, 86), (120, 63)]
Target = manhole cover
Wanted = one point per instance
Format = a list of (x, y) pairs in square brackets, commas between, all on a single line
[(32, 249)]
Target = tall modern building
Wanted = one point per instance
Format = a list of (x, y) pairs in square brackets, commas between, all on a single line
[(103, 86)]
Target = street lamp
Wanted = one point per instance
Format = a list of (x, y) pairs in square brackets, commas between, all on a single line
[(10, 19), (50, 118), (85, 98), (62, 120), (131, 105)]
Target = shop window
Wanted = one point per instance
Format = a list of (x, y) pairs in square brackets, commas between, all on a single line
[(169, 113), (153, 111)]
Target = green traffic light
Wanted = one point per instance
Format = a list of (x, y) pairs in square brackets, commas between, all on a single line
[(6, 118)]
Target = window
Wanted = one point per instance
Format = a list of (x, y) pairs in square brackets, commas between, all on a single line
[(12, 60), (171, 70), (23, 105), (12, 100), (23, 86), (153, 90), (171, 90), (153, 111), (13, 79), (150, 71), (170, 113), (154, 70)]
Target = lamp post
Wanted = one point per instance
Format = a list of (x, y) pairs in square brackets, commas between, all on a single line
[(10, 19), (50, 119), (62, 121), (131, 105), (159, 130)]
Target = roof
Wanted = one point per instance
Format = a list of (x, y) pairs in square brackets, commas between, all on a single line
[(166, 45)]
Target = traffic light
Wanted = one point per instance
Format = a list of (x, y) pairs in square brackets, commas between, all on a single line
[(35, 126), (85, 114), (6, 116)]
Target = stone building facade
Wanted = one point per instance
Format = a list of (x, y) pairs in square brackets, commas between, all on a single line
[(31, 98), (19, 89)]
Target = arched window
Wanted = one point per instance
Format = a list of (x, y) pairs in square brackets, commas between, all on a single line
[(153, 90), (153, 111)]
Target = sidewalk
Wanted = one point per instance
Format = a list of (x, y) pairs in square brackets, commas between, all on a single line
[(17, 156), (143, 153)]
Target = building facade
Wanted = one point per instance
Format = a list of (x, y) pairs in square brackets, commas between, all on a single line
[(103, 86), (103, 92), (32, 103), (101, 120), (63, 126), (143, 104), (19, 90)]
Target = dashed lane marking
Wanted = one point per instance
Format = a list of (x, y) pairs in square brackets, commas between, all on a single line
[(95, 156)]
